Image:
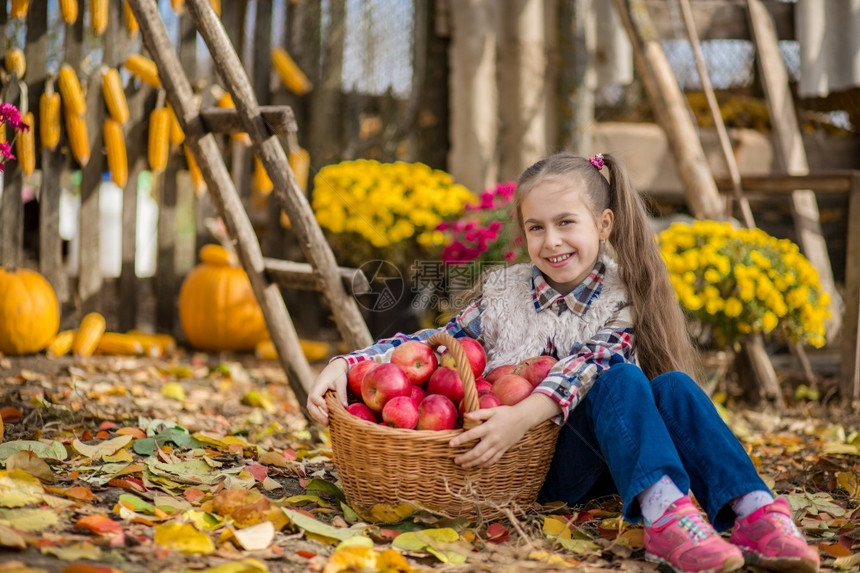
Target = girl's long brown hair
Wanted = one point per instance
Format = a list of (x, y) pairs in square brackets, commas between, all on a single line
[(663, 343)]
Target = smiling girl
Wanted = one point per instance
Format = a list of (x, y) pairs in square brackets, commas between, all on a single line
[(596, 296)]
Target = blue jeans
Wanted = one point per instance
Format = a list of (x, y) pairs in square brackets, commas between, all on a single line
[(629, 431)]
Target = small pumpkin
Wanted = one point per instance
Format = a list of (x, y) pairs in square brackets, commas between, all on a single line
[(29, 312), (217, 307)]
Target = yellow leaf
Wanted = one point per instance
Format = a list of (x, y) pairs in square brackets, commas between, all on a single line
[(850, 483), (352, 559), (174, 391), (385, 513), (183, 537), (259, 399), (32, 464), (249, 565), (18, 488), (29, 519), (554, 527), (105, 448)]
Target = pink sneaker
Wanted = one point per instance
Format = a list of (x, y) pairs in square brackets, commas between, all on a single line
[(769, 539), (683, 540)]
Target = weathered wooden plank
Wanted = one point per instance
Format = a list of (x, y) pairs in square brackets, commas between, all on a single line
[(166, 281), (722, 19), (314, 245), (838, 181), (301, 276), (11, 207), (205, 150), (90, 280), (849, 378), (791, 152)]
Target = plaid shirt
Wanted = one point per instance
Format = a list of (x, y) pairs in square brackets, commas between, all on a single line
[(577, 368)]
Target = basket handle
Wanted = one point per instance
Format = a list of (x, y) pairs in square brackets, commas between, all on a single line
[(464, 369)]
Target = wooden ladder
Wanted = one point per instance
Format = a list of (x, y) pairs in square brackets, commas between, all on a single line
[(262, 124)]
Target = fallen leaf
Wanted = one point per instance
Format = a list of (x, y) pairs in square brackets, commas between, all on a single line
[(316, 527), (18, 488), (174, 391), (256, 537), (105, 448), (248, 565), (100, 524), (29, 519), (54, 450), (32, 464), (11, 538), (183, 537)]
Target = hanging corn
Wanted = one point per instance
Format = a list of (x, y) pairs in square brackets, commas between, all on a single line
[(144, 69), (19, 9), (25, 145), (197, 182), (99, 16), (117, 158), (130, 21), (159, 139), (70, 89), (292, 76), (175, 135), (49, 119), (114, 95), (69, 11), (79, 139), (15, 62)]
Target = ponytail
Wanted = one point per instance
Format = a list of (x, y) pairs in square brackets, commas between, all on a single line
[(662, 339)]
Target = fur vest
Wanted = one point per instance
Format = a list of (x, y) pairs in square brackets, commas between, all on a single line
[(513, 330)]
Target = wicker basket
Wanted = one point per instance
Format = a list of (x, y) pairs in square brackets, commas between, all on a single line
[(381, 467)]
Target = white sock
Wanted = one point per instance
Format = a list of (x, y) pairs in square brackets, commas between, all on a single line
[(748, 503), (657, 497)]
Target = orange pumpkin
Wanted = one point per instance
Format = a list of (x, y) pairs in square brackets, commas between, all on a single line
[(217, 307), (29, 312)]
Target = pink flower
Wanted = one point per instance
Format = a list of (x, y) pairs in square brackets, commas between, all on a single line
[(10, 114), (510, 255), (6, 150)]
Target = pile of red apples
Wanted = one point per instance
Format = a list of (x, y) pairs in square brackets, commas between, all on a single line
[(421, 389)]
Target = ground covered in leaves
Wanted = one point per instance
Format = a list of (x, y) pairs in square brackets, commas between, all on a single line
[(206, 463)]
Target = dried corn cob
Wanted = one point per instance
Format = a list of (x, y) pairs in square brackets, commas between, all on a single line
[(262, 183), (69, 11), (79, 139), (70, 89), (25, 145), (130, 21), (118, 344), (154, 344), (116, 153), (178, 6), (144, 69), (292, 76), (15, 62), (197, 181), (175, 134), (49, 119), (19, 9), (62, 343), (89, 333), (114, 95), (159, 139), (300, 163), (99, 16)]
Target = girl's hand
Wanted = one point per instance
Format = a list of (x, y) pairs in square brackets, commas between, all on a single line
[(502, 427), (332, 377)]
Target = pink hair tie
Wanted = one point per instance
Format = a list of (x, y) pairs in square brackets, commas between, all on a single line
[(597, 161)]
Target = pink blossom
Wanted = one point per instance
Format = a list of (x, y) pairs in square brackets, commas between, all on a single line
[(6, 150)]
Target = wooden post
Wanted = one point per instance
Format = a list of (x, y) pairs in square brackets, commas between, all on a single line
[(577, 43), (11, 207), (849, 378), (792, 154), (472, 157)]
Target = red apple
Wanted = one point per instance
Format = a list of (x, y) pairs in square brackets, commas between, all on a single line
[(360, 410), (498, 372), (512, 388), (536, 368), (474, 353), (437, 412), (482, 386), (488, 400), (417, 394), (356, 374), (446, 381), (417, 359), (400, 412), (383, 383)]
